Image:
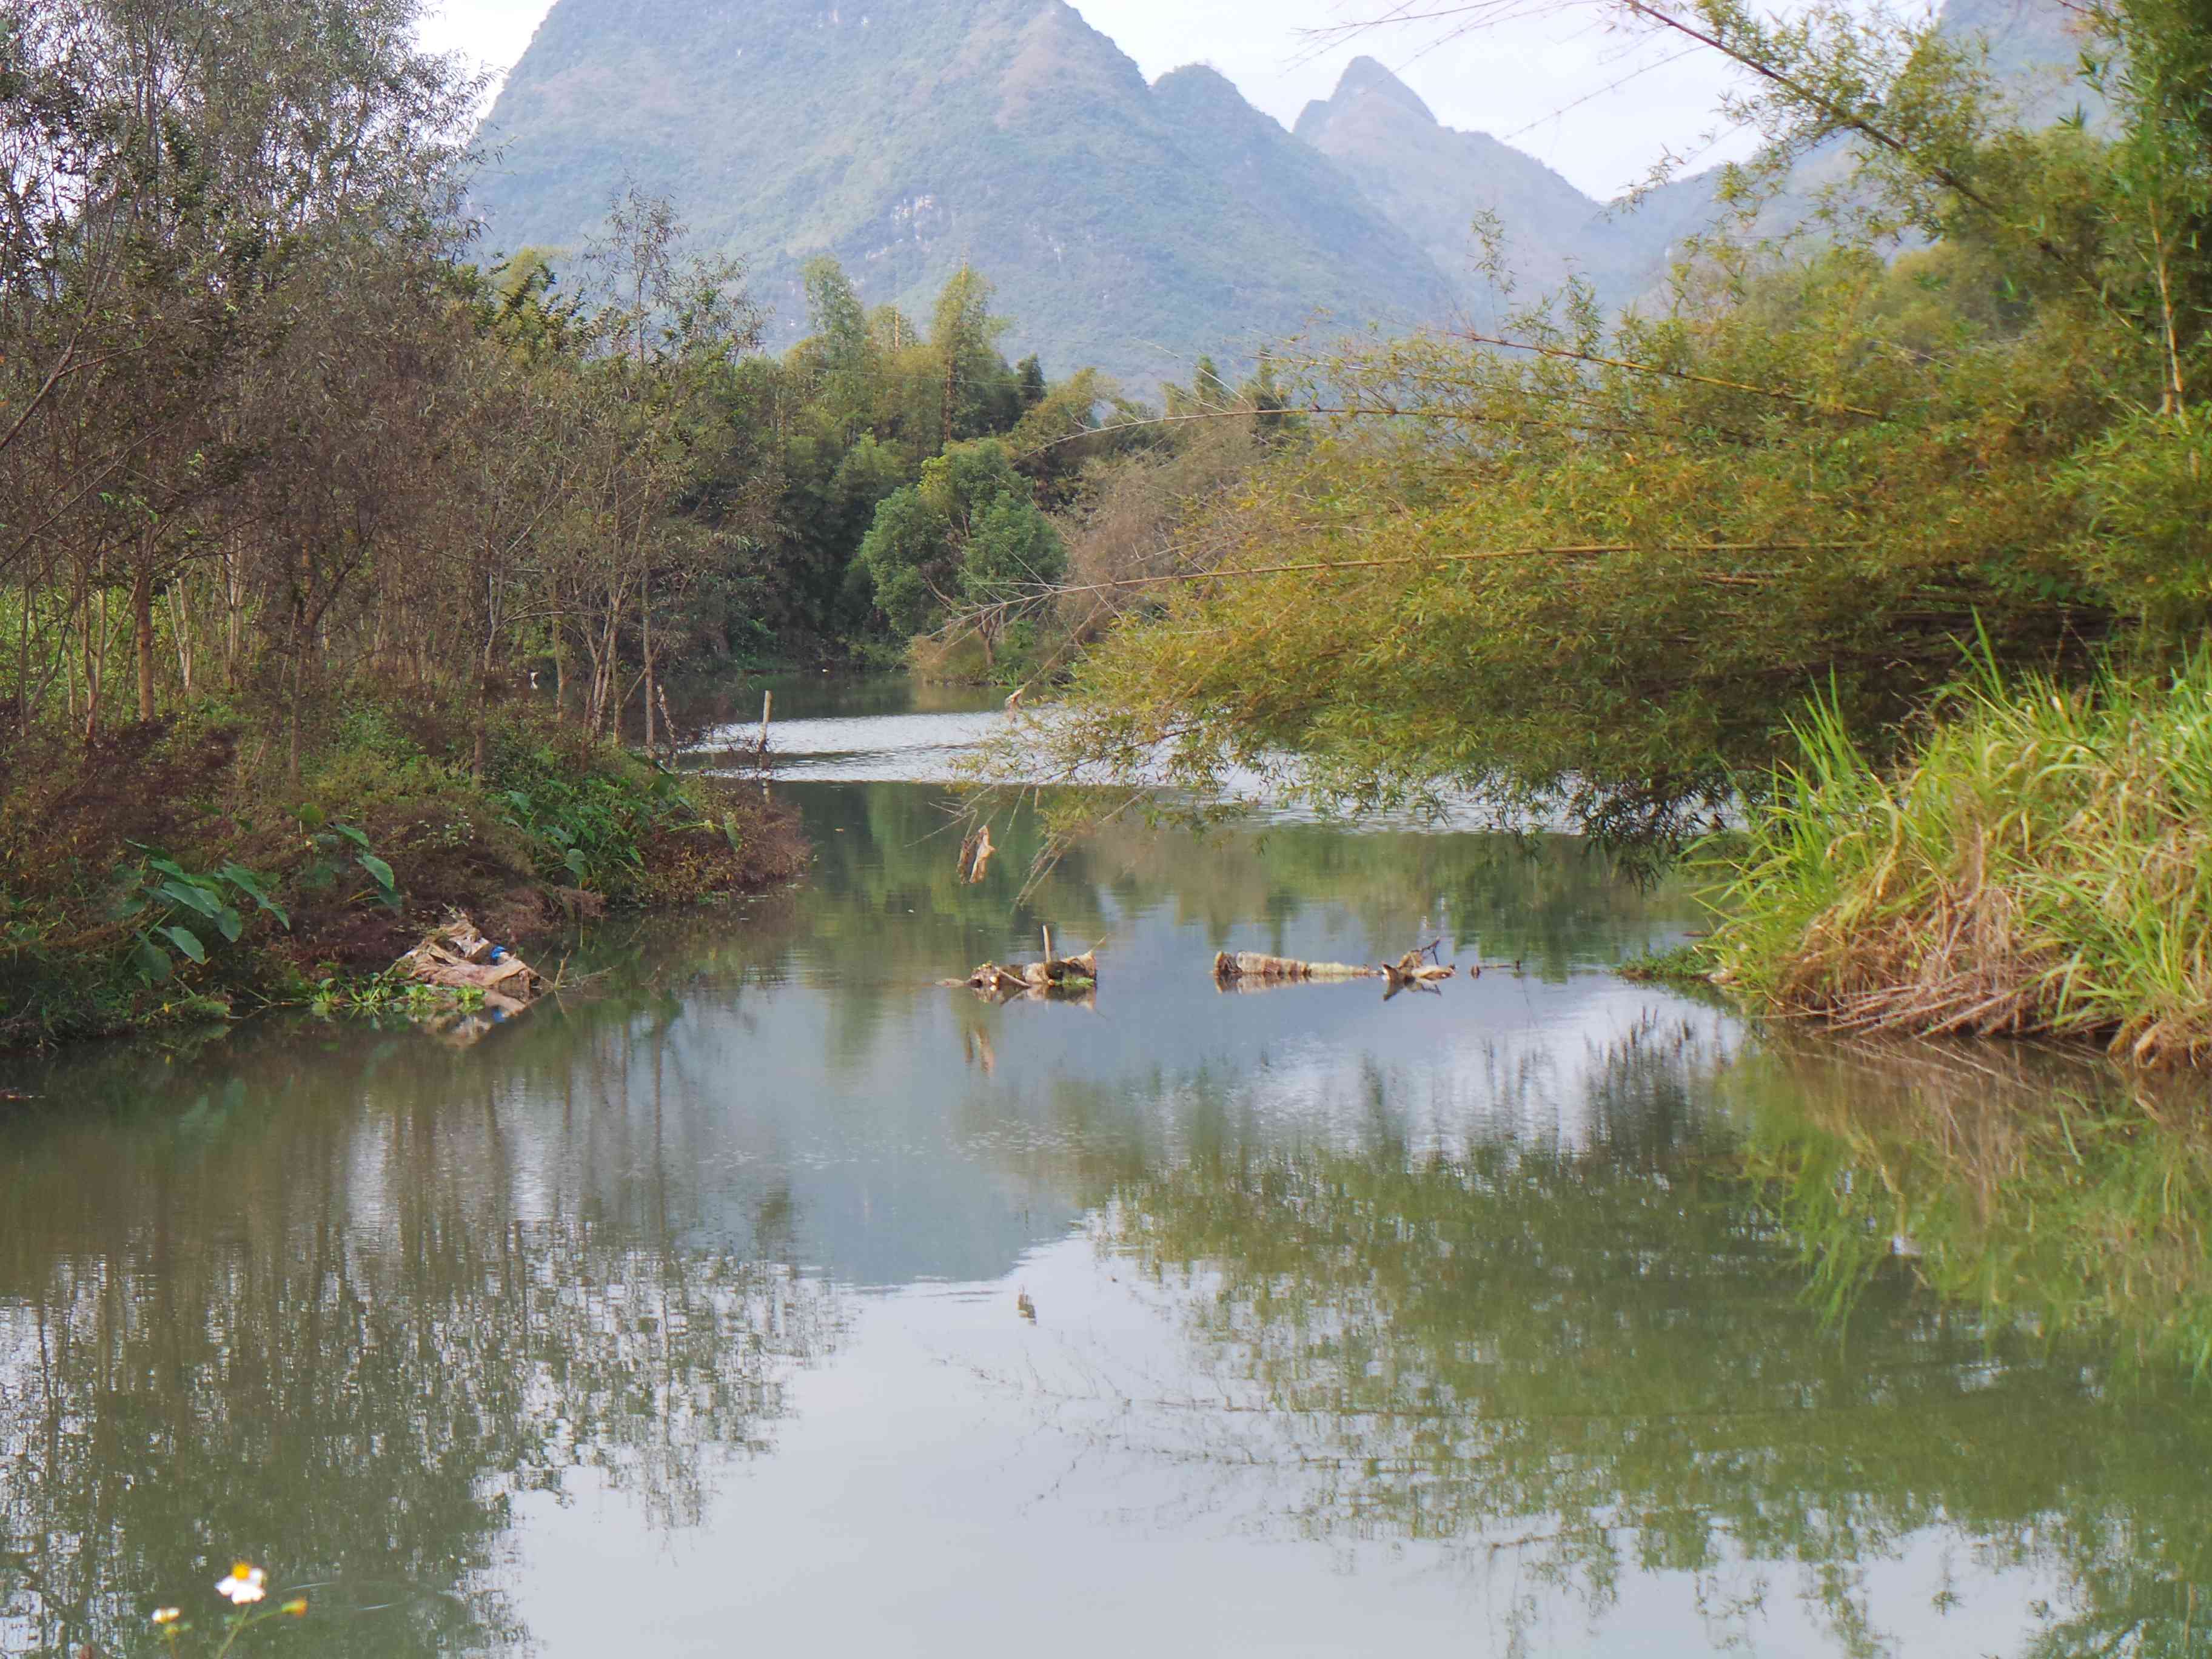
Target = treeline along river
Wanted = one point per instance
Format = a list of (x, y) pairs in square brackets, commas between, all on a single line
[(759, 1292)]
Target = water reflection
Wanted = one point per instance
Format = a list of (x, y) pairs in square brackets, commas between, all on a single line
[(1550, 1313), (1579, 1367), (339, 1319), (2060, 1192)]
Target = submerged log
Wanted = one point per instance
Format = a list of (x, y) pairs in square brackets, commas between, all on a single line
[(1247, 970), (1254, 965)]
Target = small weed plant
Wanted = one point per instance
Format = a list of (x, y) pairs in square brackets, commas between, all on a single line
[(244, 1587)]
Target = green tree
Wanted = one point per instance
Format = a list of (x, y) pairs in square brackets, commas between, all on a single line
[(909, 542), (979, 394), (969, 507), (1030, 374)]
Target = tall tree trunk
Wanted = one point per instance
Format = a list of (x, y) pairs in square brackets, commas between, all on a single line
[(482, 714), (142, 618), (180, 618), (24, 663), (233, 589), (94, 652), (645, 647), (560, 668)]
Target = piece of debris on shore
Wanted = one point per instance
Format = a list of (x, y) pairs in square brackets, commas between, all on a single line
[(461, 958)]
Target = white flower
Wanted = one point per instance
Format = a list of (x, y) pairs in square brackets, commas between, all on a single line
[(247, 1585), (167, 1615)]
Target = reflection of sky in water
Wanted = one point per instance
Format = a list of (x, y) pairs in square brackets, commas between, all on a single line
[(924, 1472), (960, 1482), (935, 748)]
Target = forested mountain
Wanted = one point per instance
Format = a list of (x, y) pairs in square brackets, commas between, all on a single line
[(1435, 182), (1128, 225)]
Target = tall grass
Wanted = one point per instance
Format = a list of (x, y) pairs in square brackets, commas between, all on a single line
[(2044, 867)]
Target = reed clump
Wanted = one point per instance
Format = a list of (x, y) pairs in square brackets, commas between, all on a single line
[(2042, 867)]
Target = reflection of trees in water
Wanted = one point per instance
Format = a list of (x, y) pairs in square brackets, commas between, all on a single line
[(344, 1334), (2042, 1185), (885, 890), (1570, 1364)]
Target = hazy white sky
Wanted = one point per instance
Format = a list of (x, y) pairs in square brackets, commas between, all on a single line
[(1515, 81)]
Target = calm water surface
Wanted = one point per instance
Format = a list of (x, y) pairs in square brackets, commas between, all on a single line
[(680, 1317)]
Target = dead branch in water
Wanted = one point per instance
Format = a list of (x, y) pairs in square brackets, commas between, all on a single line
[(1059, 977)]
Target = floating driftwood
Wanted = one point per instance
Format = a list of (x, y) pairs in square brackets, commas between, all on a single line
[(461, 958), (1250, 970), (1418, 969), (1267, 970), (1053, 975)]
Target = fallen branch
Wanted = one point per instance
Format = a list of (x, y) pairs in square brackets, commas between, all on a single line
[(1053, 975)]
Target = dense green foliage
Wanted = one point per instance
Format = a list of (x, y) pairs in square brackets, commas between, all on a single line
[(298, 504), (173, 870), (1591, 570)]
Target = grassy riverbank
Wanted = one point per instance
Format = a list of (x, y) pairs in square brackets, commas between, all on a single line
[(175, 870), (2042, 866)]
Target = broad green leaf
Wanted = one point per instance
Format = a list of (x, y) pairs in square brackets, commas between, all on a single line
[(151, 960), (191, 897), (351, 834), (247, 882), (377, 868), (244, 880), (186, 941), (229, 923), (577, 863)]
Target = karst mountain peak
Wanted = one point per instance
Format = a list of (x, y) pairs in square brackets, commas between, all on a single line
[(1130, 224)]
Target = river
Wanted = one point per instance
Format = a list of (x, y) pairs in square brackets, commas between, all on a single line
[(761, 1295)]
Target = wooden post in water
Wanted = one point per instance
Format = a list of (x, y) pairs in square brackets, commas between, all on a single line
[(768, 703)]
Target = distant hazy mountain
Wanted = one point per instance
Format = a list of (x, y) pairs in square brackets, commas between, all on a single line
[(1435, 182), (1128, 225)]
